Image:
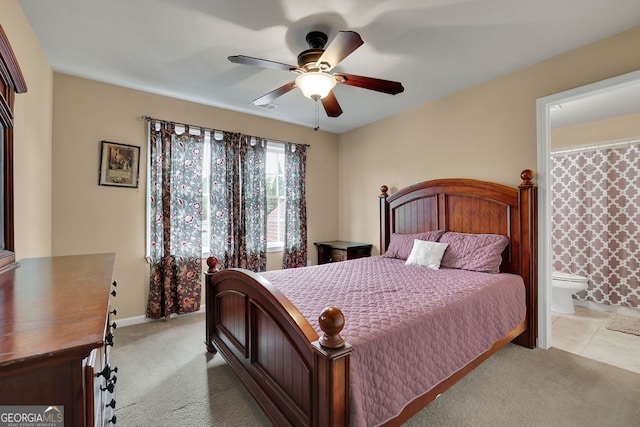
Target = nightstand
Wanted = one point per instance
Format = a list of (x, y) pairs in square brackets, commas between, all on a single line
[(339, 250)]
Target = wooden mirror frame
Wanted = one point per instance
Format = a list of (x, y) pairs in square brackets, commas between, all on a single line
[(11, 83)]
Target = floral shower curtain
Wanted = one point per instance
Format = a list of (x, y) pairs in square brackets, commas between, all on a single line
[(238, 196), (295, 241), (596, 221), (176, 228)]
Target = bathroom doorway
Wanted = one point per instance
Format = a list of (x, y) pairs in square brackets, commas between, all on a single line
[(581, 99)]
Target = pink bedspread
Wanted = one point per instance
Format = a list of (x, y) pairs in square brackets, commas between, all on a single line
[(411, 327)]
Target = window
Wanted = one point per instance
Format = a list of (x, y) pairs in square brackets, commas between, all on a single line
[(206, 174), (275, 195)]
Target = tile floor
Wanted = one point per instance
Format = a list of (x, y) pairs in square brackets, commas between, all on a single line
[(584, 333)]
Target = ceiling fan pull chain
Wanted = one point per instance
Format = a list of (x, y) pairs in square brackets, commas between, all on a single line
[(317, 122)]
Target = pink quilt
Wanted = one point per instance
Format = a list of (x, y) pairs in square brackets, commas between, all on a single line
[(411, 327)]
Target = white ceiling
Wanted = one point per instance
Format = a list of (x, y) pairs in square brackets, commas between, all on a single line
[(179, 48)]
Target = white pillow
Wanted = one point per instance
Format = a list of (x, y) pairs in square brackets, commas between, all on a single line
[(426, 254)]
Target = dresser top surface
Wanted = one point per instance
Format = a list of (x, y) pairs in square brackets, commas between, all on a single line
[(54, 305)]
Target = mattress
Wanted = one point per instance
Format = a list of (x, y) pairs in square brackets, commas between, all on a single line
[(411, 327)]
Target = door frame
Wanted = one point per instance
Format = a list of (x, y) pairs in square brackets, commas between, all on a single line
[(543, 110)]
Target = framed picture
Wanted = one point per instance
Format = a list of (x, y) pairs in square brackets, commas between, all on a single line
[(119, 165)]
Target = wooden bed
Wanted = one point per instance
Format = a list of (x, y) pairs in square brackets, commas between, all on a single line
[(256, 328)]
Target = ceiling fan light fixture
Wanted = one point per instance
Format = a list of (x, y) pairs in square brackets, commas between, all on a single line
[(315, 84)]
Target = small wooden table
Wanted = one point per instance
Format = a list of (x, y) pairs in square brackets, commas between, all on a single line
[(340, 250)]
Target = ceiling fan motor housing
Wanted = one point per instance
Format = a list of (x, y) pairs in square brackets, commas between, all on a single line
[(308, 59)]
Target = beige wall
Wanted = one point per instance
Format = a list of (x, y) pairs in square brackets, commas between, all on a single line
[(595, 132), (485, 132), (89, 218), (32, 137)]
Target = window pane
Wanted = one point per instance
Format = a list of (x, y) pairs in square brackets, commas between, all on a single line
[(275, 194), (206, 174)]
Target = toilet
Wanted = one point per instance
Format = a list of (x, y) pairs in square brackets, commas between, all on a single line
[(563, 286)]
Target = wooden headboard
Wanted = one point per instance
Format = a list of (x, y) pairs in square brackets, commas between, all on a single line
[(473, 206)]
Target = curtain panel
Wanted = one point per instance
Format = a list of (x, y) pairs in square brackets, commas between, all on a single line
[(295, 241), (595, 221), (238, 197), (176, 220), (253, 161)]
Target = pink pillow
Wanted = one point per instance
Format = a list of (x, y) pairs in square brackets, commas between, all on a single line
[(401, 244), (475, 252)]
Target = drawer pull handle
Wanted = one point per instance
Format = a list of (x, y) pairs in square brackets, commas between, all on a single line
[(106, 372), (111, 404), (114, 312), (113, 292), (113, 325), (114, 283), (113, 419), (109, 387)]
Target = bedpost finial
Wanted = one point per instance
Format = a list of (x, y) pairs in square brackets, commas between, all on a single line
[(331, 322), (527, 176), (214, 264), (383, 191)]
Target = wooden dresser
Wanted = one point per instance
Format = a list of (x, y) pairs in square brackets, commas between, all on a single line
[(55, 335), (340, 250)]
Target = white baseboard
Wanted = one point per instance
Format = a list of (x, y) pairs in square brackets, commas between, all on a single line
[(136, 320)]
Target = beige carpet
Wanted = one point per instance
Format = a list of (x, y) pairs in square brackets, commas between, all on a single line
[(621, 323), (166, 378)]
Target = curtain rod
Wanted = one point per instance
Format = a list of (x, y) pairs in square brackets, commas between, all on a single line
[(589, 147), (204, 128)]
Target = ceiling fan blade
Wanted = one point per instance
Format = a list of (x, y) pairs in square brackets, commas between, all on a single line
[(331, 106), (386, 86), (340, 47), (264, 63), (265, 99)]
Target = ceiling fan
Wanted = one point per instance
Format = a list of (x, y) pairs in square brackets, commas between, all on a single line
[(314, 66)]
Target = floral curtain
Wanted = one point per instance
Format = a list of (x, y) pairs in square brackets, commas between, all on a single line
[(176, 227), (223, 205), (238, 198), (295, 240), (253, 159)]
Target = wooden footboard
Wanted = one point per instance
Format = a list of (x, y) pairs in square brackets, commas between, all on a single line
[(296, 377)]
